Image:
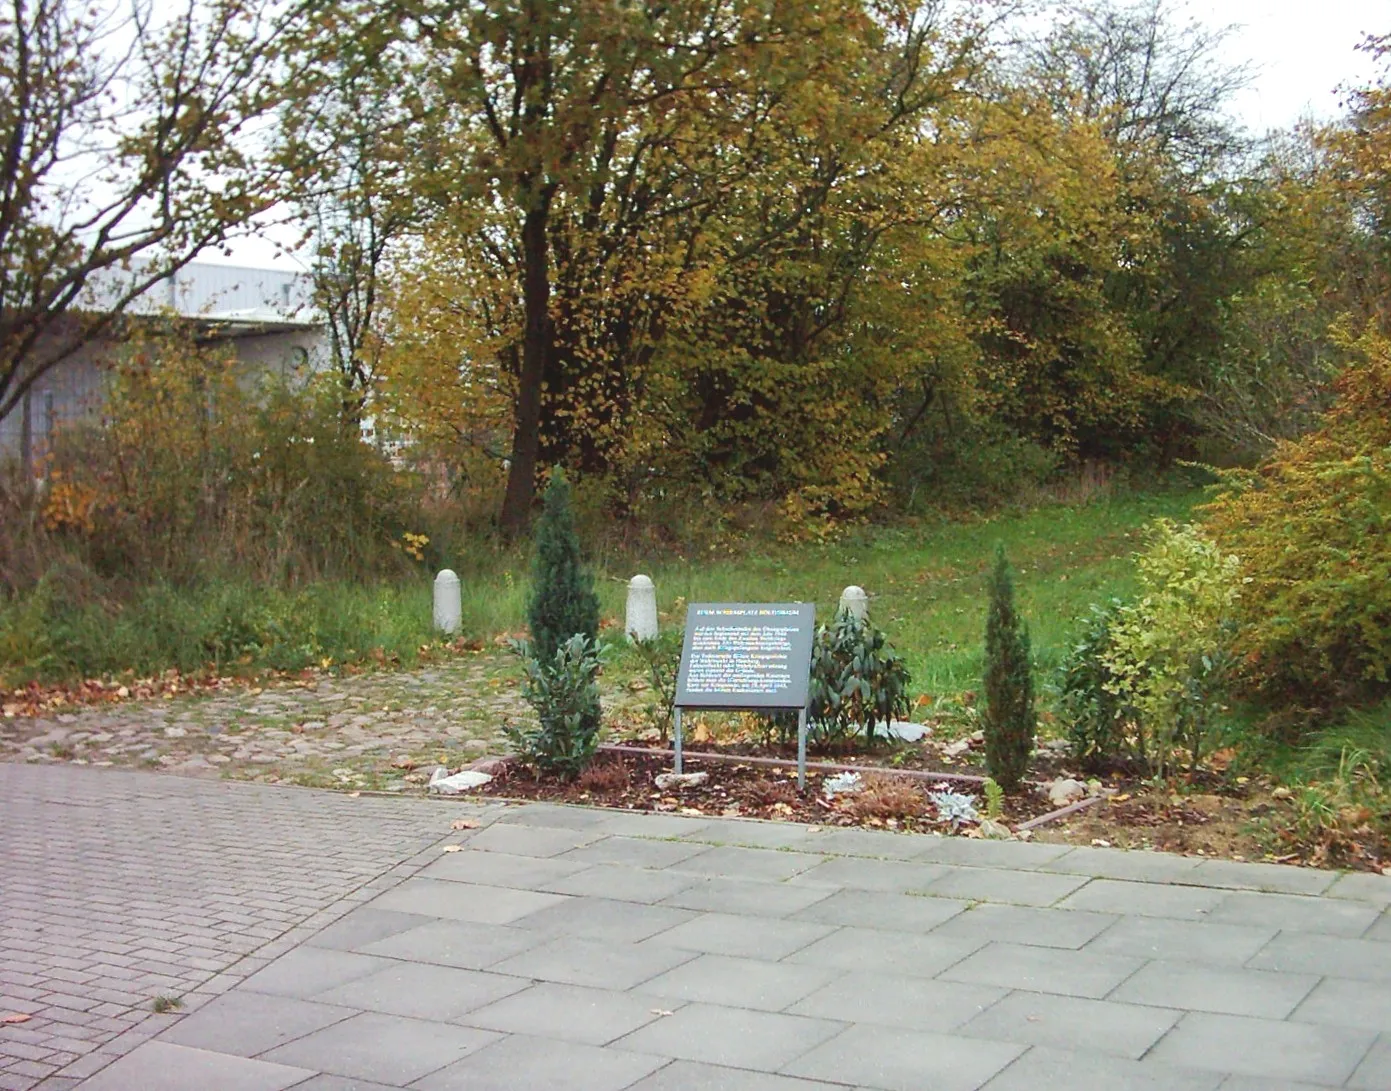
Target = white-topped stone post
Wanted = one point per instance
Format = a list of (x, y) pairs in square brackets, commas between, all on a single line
[(641, 621), (854, 601), (449, 610)]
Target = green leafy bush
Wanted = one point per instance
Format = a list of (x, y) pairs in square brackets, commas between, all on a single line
[(564, 691), (1166, 659), (661, 655), (563, 602), (1009, 684), (1312, 526), (1098, 721), (857, 680)]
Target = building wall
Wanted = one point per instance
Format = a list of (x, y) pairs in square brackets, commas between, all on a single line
[(73, 391), (265, 313)]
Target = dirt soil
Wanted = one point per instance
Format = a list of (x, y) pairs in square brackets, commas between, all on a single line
[(1213, 818)]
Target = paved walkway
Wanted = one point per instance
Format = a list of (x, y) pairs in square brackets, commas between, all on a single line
[(564, 948), (118, 887)]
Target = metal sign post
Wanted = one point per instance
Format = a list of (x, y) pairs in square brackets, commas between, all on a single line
[(742, 656)]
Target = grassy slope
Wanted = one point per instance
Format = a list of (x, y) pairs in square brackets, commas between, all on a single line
[(926, 582)]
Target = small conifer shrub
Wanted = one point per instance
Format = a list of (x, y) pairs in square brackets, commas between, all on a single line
[(563, 601), (1009, 684)]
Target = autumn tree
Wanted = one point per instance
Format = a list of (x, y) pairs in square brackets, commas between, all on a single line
[(127, 150)]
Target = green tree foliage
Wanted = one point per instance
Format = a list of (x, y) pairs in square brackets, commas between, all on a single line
[(1009, 683), (1312, 528), (563, 603), (125, 155)]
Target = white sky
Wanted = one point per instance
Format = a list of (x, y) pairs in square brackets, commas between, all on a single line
[(1302, 53)]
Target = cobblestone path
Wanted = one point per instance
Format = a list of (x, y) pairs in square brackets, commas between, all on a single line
[(118, 887)]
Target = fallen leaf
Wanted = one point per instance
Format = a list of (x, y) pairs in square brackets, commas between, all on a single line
[(1101, 844), (453, 848), (1120, 798), (20, 1017), (661, 1011), (464, 824), (354, 795)]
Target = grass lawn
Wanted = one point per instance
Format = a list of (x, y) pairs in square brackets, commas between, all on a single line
[(927, 583)]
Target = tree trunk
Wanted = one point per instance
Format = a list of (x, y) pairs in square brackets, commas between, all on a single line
[(526, 436)]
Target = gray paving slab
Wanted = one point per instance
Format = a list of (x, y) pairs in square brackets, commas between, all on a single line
[(872, 844), (883, 910), (1181, 941), (520, 1062), (1276, 878), (787, 957), (531, 840), (247, 1023), (500, 869), (693, 1076), (1264, 1047), (163, 1066), (895, 876), (1334, 956), (892, 1000), (635, 852), (738, 982), (575, 961), (731, 861), (626, 884), (1296, 914), (1042, 1069), (1194, 987), (387, 1049), (1136, 864), (340, 1083), (1338, 1002), (363, 926), (1071, 1022), (742, 896), (556, 816), (1260, 1083), (1374, 1073), (1145, 899), (1381, 929), (1016, 855), (753, 833), (904, 1060), (306, 971), (1035, 927), (1043, 969), (604, 918), (1012, 887), (735, 1037), (463, 944), (464, 901), (890, 952), (1363, 887), (423, 991), (647, 824), (571, 1013), (746, 937)]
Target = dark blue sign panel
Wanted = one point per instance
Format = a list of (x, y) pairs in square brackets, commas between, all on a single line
[(743, 655)]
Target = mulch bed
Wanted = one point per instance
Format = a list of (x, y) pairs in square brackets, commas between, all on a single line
[(626, 781)]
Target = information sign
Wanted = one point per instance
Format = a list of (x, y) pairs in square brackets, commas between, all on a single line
[(747, 655)]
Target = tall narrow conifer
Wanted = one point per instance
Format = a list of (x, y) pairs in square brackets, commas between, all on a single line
[(563, 601), (1009, 684)]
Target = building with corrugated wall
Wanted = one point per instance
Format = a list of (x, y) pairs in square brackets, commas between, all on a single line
[(266, 314)]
